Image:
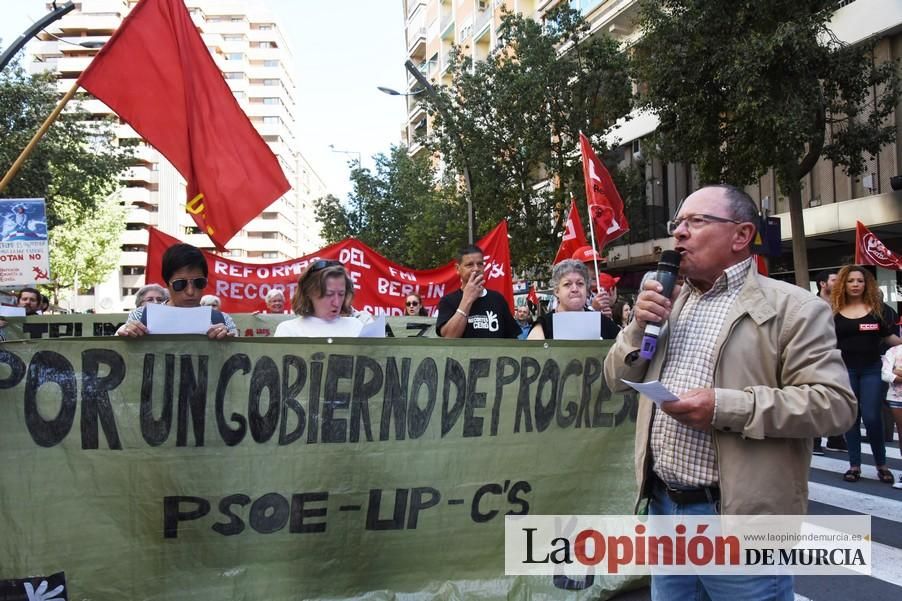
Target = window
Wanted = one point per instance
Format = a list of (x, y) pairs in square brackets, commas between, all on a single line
[(132, 270), (234, 56), (233, 75), (272, 101), (271, 82), (240, 94), (129, 291), (232, 37), (264, 26), (271, 120), (268, 254), (270, 63)]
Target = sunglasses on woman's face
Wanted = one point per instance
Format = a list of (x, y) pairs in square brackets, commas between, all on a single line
[(413, 304), (179, 285), (322, 264)]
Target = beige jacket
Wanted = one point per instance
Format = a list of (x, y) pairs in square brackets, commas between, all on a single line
[(779, 380)]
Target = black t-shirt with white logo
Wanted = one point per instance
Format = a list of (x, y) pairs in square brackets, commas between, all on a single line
[(489, 317)]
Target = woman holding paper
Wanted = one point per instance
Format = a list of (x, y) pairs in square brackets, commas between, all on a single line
[(323, 304), (568, 280), (185, 273)]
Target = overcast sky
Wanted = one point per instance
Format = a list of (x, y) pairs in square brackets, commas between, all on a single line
[(342, 51)]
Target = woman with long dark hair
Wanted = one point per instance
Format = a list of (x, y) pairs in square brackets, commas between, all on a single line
[(858, 316)]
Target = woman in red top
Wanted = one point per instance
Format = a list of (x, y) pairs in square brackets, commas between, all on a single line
[(858, 316)]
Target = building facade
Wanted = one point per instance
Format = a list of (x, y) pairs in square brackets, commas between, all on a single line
[(247, 44), (833, 201)]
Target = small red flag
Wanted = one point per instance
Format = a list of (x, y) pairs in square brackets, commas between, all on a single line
[(532, 296), (574, 236), (605, 205), (156, 73), (761, 264), (869, 250)]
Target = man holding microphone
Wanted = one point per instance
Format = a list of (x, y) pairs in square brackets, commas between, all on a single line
[(757, 372)]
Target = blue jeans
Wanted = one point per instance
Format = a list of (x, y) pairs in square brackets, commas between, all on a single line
[(867, 386), (711, 588)]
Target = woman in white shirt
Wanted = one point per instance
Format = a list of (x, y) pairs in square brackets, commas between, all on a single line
[(323, 304)]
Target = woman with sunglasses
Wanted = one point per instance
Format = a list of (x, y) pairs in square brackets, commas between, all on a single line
[(323, 304), (413, 306), (185, 273)]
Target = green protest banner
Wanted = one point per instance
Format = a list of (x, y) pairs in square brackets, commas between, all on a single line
[(250, 325), (172, 467)]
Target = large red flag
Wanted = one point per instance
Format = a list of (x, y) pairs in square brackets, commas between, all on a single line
[(605, 205), (869, 250), (574, 236), (156, 73)]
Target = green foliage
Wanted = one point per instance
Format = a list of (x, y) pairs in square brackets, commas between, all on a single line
[(400, 211), (86, 244), (75, 168), (75, 161), (514, 118), (741, 87)]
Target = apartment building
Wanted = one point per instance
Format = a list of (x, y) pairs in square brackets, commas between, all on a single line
[(833, 201), (247, 44)]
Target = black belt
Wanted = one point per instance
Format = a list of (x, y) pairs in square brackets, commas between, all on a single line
[(688, 496)]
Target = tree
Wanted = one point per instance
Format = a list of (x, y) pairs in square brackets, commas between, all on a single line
[(85, 247), (514, 119), (75, 167), (744, 87), (401, 211)]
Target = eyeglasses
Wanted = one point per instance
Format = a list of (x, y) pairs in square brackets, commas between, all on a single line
[(412, 303), (695, 222), (179, 285), (154, 299)]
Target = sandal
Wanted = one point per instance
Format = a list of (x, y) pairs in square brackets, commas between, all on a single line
[(852, 476), (884, 475)]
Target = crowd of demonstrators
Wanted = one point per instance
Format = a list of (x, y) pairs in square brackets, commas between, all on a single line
[(757, 372), (184, 271), (322, 304), (860, 329), (570, 288), (413, 306), (473, 311)]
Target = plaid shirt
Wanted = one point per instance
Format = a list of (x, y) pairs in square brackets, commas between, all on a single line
[(684, 456)]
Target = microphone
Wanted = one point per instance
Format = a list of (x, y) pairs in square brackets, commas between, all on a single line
[(666, 275)]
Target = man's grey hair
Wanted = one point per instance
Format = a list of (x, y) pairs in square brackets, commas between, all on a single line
[(742, 207), (565, 267)]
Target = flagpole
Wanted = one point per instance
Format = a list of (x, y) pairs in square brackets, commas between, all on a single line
[(37, 137), (594, 252)]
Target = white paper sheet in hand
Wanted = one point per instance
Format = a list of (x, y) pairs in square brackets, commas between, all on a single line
[(577, 325), (653, 390), (7, 311), (163, 319), (374, 329)]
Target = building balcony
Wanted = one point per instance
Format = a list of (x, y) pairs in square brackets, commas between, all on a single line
[(134, 258), (413, 6), (138, 195), (226, 27), (133, 237), (96, 107), (140, 174), (79, 22), (73, 64), (416, 42), (142, 216)]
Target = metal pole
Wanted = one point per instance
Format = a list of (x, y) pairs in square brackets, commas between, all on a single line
[(56, 14), (430, 90)]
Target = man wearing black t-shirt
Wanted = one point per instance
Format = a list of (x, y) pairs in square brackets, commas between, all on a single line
[(473, 311)]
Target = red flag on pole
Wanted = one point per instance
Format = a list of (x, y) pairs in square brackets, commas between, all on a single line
[(605, 205), (533, 296), (156, 73), (574, 235), (869, 250)]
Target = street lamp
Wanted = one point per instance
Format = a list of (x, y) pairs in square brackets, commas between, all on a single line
[(57, 13), (347, 152), (429, 89)]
